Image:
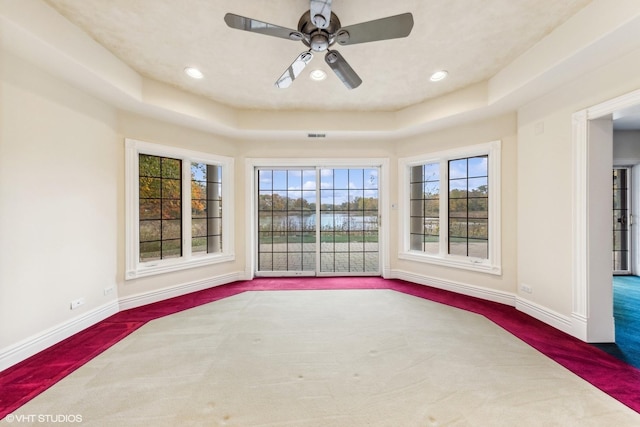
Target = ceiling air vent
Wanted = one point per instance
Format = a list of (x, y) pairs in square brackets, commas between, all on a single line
[(317, 135)]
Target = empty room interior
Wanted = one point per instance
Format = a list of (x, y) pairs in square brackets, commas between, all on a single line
[(332, 168)]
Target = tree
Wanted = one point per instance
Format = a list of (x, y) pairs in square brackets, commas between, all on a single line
[(159, 187)]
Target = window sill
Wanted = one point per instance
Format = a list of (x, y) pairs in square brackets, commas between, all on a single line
[(472, 264), (152, 268)]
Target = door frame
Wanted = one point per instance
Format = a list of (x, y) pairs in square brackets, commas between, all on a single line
[(251, 164)]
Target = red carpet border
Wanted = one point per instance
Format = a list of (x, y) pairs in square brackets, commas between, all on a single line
[(25, 380)]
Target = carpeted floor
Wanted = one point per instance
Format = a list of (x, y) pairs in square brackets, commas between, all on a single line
[(626, 310), (21, 383), (323, 358)]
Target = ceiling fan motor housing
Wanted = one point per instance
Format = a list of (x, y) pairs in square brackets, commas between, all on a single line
[(318, 39)]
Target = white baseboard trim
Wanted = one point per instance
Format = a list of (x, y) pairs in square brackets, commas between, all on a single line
[(563, 323), (22, 350), (545, 315), (150, 297), (593, 332), (457, 287), (579, 327), (18, 352)]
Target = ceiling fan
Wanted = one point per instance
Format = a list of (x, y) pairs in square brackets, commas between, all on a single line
[(319, 29)]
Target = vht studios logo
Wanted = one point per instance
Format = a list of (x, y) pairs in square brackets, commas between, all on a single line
[(43, 418)]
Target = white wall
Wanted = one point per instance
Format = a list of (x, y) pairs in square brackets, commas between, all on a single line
[(626, 147), (62, 204), (62, 210), (545, 176), (59, 165), (500, 128), (153, 288), (626, 152), (62, 198)]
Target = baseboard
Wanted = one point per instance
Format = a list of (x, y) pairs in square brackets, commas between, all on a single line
[(457, 287), (545, 315), (579, 327), (150, 297), (593, 332), (22, 350), (18, 352)]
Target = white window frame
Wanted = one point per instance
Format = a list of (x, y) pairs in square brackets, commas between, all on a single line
[(490, 265), (134, 267)]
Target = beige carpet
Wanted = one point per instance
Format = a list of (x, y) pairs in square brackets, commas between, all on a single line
[(326, 358)]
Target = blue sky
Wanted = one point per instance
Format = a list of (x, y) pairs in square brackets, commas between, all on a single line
[(461, 169), (477, 167), (336, 184), (199, 171)]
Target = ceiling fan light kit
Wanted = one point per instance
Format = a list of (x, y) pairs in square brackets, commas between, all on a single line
[(319, 29), (318, 75)]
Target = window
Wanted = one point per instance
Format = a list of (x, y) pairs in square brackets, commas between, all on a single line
[(206, 208), (160, 201), (176, 217), (425, 208), (453, 214), (468, 207)]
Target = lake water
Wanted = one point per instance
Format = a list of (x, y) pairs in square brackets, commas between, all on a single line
[(328, 221)]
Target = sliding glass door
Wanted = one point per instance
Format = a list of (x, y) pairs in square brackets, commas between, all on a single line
[(349, 221), (286, 221), (317, 221)]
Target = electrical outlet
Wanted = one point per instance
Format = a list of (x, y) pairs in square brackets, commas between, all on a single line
[(526, 288), (77, 303), (108, 290)]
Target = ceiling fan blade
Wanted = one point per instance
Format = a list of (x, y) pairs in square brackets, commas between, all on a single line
[(254, 26), (342, 69), (294, 70), (320, 13), (391, 27)]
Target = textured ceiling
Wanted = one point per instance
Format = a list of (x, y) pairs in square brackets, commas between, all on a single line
[(472, 39)]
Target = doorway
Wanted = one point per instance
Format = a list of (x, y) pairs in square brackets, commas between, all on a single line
[(621, 255), (317, 221), (592, 311)]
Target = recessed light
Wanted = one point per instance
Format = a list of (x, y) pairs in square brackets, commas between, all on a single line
[(318, 75), (194, 73), (439, 75)]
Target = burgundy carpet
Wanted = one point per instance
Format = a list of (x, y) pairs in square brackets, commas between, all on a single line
[(22, 382)]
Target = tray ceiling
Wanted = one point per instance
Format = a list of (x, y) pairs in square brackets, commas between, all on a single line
[(471, 39)]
